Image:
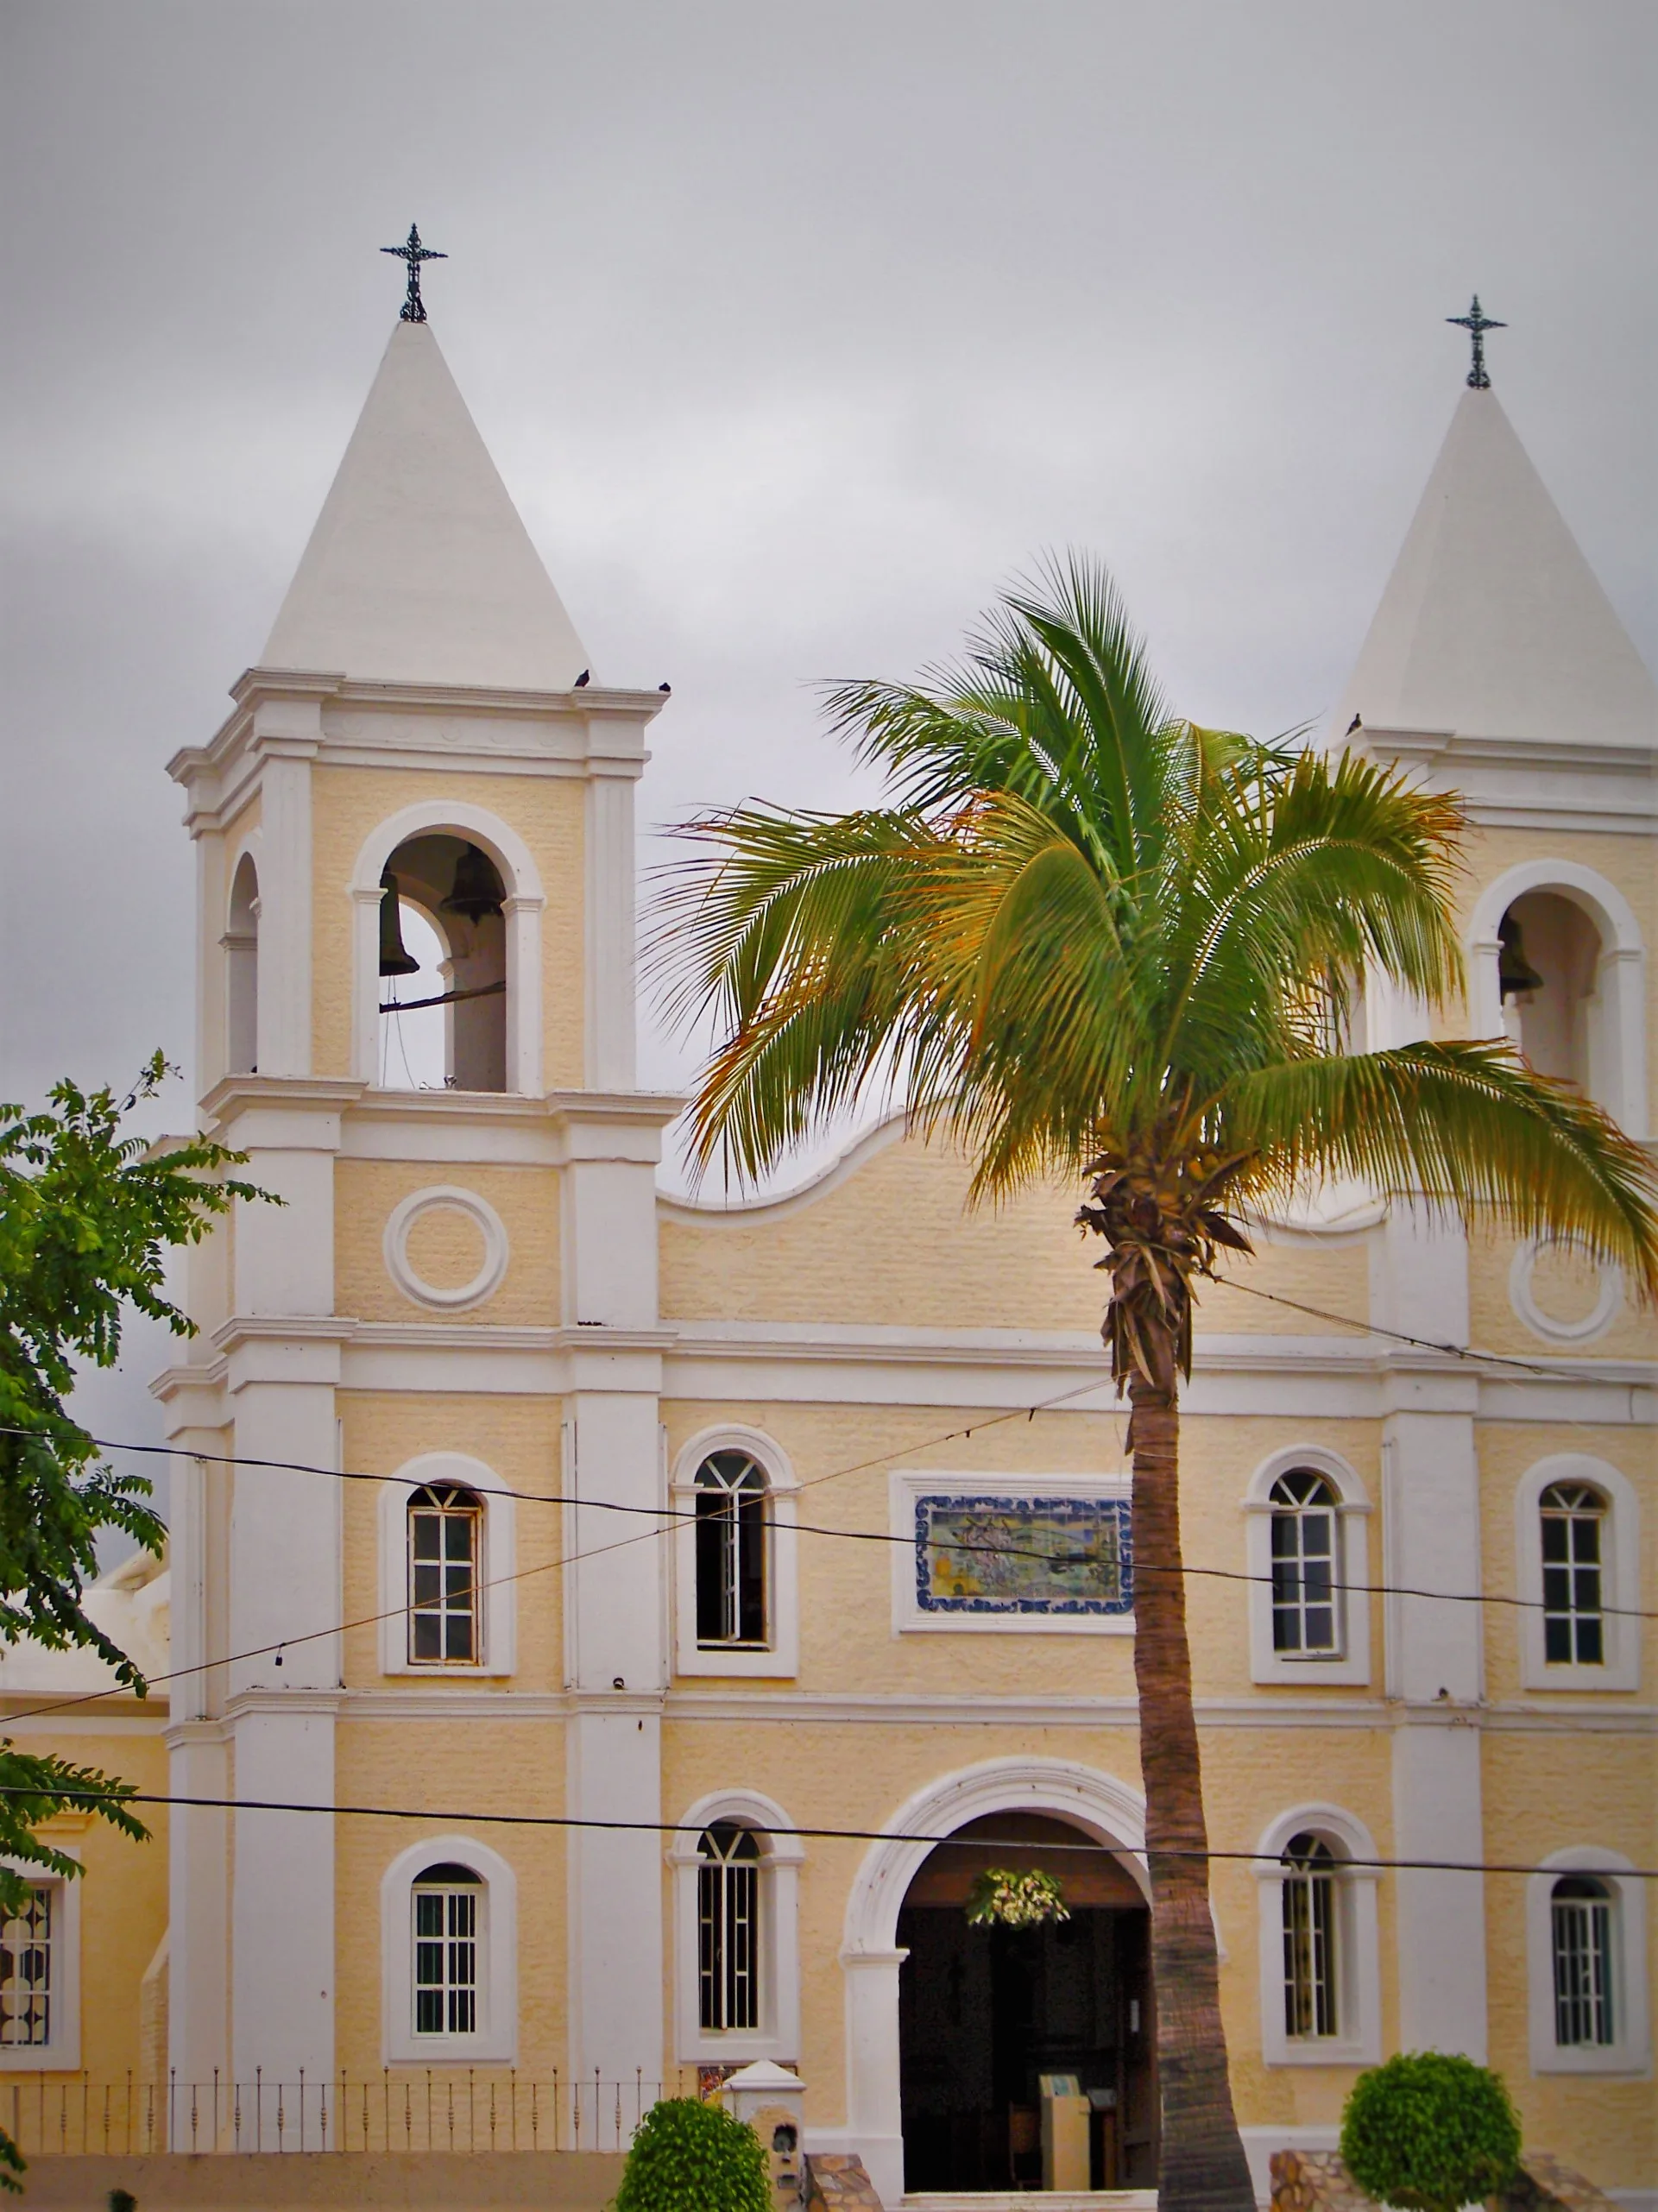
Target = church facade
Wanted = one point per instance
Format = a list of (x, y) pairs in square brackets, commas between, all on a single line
[(605, 1635)]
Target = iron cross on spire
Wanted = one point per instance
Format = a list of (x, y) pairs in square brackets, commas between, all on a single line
[(1476, 322), (414, 253)]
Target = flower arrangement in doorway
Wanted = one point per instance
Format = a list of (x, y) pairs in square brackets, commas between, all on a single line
[(1017, 1899)]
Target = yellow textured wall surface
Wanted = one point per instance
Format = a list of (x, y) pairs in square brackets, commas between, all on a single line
[(518, 1438), (838, 1775), (547, 811), (1542, 1794), (943, 1266), (526, 1199), (1566, 1285), (847, 1641), (123, 1895), (1507, 1452), (482, 1766)]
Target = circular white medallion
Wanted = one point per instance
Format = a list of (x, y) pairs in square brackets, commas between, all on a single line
[(1599, 1310), (479, 1216)]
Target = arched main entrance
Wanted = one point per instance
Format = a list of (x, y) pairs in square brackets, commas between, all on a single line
[(986, 2014), (945, 2044)]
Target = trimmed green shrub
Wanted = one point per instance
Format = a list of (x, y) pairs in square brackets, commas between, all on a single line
[(690, 2157), (1430, 2132)]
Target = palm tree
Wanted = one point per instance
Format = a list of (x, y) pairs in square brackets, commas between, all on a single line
[(1092, 943)]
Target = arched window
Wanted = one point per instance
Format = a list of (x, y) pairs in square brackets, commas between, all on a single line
[(728, 1927), (449, 1953), (442, 967), (241, 943), (447, 1901), (1547, 972), (1312, 1940), (1573, 1516), (731, 1548), (1320, 1951), (1580, 1925), (445, 1557), (26, 1979), (1306, 1592)]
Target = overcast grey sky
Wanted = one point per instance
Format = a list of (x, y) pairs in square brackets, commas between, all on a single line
[(794, 332)]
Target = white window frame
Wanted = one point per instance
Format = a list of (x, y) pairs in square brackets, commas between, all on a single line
[(782, 1855), (779, 1658), (1350, 1663), (1620, 1575), (906, 1484), (495, 2037), (62, 2051), (497, 1614), (1358, 1962), (1630, 2049)]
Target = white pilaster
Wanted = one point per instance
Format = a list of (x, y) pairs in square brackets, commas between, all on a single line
[(285, 906), (608, 979), (874, 2116), (282, 1920), (199, 1903)]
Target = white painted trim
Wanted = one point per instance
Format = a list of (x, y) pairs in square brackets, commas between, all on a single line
[(496, 2039), (1620, 1574), (1358, 1963), (523, 907), (1595, 1323), (1631, 2051), (906, 1484), (62, 2051), (1621, 976), (781, 1658), (767, 1207), (498, 1618), (396, 1245), (782, 1856), (1352, 1523)]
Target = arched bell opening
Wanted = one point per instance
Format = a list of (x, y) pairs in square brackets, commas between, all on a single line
[(240, 944), (1548, 972), (994, 2017), (442, 967)]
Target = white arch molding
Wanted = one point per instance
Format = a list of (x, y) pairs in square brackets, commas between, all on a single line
[(496, 2035), (1109, 1810), (1618, 1033), (522, 906)]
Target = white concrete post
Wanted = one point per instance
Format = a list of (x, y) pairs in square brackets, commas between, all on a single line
[(874, 2114)]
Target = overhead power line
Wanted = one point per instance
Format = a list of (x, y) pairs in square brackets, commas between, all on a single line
[(821, 1835)]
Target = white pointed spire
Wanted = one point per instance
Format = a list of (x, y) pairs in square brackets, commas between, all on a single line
[(1493, 624), (419, 570)]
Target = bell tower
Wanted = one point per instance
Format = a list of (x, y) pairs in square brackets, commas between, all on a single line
[(469, 1261)]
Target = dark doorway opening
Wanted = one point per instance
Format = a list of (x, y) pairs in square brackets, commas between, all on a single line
[(985, 2013)]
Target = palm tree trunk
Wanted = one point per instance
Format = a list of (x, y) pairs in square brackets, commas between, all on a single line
[(1202, 2167)]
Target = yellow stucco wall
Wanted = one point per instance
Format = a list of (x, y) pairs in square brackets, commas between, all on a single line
[(445, 1248)]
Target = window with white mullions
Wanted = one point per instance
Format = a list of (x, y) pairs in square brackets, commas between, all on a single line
[(731, 1539), (446, 1904), (728, 1910), (1310, 1941), (1306, 1594), (1574, 1523), (26, 1942), (444, 1570), (1580, 1916)]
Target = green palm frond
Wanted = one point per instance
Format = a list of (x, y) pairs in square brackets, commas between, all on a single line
[(1471, 1128)]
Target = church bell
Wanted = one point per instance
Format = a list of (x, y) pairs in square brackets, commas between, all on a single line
[(394, 956), (477, 889), (1516, 976)]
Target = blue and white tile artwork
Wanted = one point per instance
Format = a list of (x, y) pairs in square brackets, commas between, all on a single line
[(1036, 1556)]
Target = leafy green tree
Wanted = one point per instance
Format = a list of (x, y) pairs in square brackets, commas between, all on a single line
[(690, 2153), (1430, 2133), (87, 1216), (1094, 944)]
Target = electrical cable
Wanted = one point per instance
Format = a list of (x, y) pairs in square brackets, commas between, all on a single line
[(824, 1835)]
